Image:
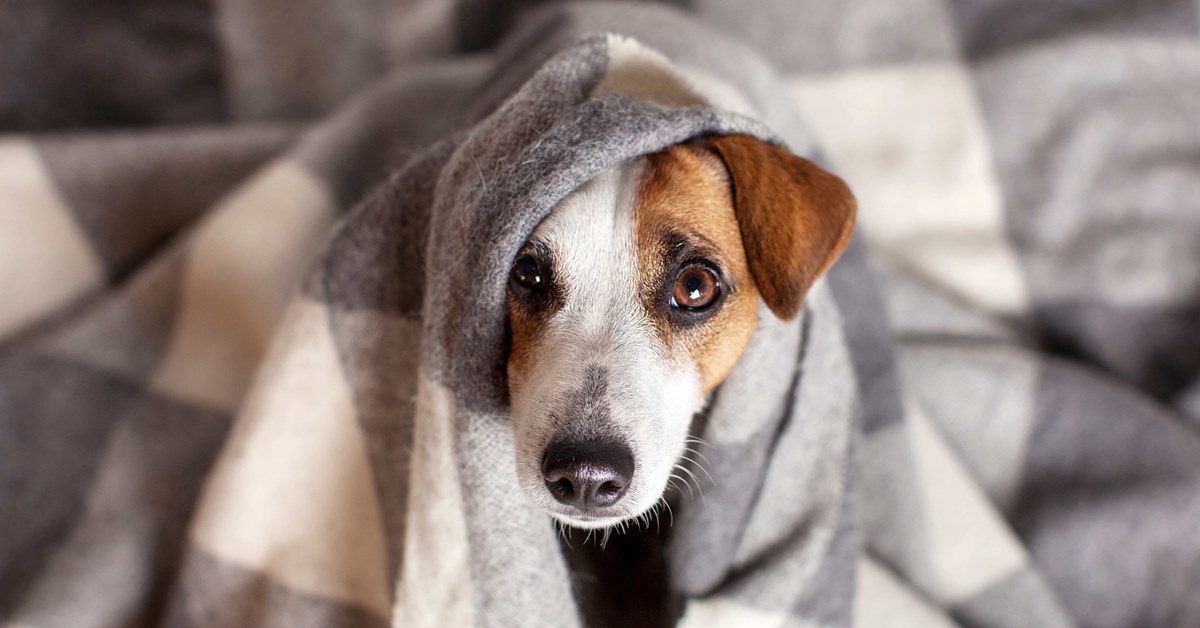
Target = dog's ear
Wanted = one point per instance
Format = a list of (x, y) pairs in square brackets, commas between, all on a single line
[(795, 218)]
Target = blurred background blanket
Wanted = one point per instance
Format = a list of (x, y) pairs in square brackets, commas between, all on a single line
[(218, 338)]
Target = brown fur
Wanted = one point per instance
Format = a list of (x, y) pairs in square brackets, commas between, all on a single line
[(524, 330), (795, 218), (525, 327), (686, 192)]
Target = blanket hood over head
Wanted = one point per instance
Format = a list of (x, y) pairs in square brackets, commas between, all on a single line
[(435, 246)]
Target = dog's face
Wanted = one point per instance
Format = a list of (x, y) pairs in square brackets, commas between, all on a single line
[(635, 298)]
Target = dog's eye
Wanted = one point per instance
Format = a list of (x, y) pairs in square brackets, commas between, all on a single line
[(527, 272), (695, 289)]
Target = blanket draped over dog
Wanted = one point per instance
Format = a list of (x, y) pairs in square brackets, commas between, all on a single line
[(253, 374)]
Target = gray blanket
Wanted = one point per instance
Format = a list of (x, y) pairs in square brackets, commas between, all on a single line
[(251, 368)]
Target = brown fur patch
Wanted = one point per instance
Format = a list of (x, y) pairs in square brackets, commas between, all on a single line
[(526, 323), (795, 218), (685, 194), (524, 330)]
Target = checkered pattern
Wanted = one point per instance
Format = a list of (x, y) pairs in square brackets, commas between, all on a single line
[(251, 371)]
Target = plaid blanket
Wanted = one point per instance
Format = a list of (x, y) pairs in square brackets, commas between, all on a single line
[(252, 334)]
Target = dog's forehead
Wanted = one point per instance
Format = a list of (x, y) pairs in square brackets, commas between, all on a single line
[(591, 233)]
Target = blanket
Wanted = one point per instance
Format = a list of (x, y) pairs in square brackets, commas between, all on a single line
[(252, 363)]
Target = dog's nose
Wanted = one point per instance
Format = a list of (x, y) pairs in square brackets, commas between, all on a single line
[(587, 475)]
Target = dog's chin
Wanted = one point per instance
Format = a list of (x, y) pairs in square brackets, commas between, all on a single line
[(588, 523), (573, 517), (597, 522)]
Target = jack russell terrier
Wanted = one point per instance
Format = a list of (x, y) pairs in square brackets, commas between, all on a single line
[(634, 299)]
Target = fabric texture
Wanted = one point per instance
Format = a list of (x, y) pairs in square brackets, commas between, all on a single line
[(252, 368)]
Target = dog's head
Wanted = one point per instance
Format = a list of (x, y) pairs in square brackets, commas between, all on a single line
[(634, 299)]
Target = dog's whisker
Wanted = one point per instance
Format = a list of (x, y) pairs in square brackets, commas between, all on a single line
[(694, 479), (654, 512), (698, 454), (690, 476), (702, 470), (685, 483), (561, 529)]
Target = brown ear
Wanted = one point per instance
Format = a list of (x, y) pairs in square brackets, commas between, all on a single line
[(795, 218)]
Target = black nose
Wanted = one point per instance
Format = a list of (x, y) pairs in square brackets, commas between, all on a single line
[(588, 475)]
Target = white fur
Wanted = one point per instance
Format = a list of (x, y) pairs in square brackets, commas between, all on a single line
[(652, 395)]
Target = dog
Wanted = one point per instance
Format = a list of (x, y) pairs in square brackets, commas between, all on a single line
[(634, 299)]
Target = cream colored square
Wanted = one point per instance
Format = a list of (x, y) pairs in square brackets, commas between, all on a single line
[(645, 74), (292, 495), (242, 265), (883, 601), (968, 546), (46, 261), (716, 612), (435, 587), (911, 142)]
